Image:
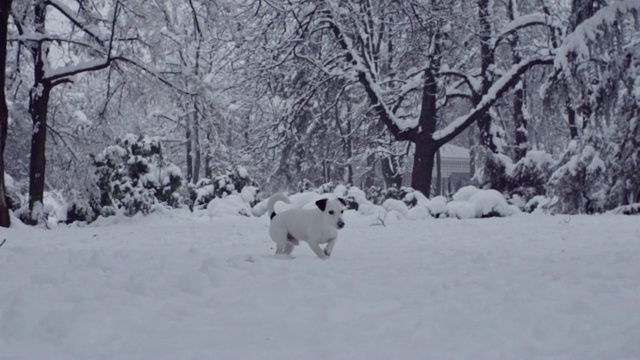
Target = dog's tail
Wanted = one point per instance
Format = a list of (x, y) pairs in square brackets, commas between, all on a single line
[(273, 200)]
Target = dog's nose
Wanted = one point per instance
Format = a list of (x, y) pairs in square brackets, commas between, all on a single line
[(340, 224)]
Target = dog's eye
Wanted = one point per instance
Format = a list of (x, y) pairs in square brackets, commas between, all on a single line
[(341, 211), (331, 212)]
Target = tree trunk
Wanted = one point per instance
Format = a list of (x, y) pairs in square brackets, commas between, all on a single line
[(349, 150), (423, 160), (391, 171), (370, 175), (519, 119), (188, 144), (520, 122), (438, 173), (486, 60), (571, 119), (197, 159), (5, 220), (38, 105)]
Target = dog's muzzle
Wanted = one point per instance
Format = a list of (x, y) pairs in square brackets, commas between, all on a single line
[(340, 224)]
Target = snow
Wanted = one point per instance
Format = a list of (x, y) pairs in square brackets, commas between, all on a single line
[(176, 286)]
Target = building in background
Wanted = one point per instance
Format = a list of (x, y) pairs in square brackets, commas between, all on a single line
[(455, 169)]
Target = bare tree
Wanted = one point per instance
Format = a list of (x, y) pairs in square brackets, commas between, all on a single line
[(5, 8)]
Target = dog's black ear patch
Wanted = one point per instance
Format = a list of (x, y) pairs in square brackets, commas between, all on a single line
[(321, 204), (343, 201)]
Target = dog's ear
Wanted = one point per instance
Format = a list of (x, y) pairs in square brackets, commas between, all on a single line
[(321, 204), (343, 201)]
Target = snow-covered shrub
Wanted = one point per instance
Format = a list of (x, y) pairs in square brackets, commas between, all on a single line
[(495, 171), (326, 188), (633, 209), (356, 198), (13, 193), (404, 193), (461, 210), (235, 181), (530, 175), (522, 181), (305, 185), (418, 213), (437, 207), (232, 205), (537, 204), (132, 175), (395, 205), (465, 193), (580, 181), (489, 203)]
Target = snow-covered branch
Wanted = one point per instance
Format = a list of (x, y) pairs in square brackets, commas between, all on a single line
[(576, 43), (521, 22), (474, 86), (499, 87), (68, 13)]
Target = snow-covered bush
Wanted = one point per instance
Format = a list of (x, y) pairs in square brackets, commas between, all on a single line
[(305, 185), (465, 193), (580, 182), (495, 172), (235, 181), (132, 175), (489, 203), (378, 196), (633, 209), (437, 207), (522, 181), (232, 205), (395, 205), (13, 193), (530, 175), (461, 210)]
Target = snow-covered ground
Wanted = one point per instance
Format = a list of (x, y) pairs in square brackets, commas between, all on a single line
[(175, 286)]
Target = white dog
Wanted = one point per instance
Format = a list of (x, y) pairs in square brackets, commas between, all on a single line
[(315, 226)]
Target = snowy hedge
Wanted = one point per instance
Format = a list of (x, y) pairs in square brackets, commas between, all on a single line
[(133, 175), (235, 182)]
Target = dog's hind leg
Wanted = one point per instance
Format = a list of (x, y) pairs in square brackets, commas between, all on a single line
[(279, 236), (288, 249)]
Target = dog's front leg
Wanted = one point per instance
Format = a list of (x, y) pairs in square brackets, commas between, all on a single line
[(316, 249), (330, 244)]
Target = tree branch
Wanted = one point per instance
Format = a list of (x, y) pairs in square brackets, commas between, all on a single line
[(493, 94)]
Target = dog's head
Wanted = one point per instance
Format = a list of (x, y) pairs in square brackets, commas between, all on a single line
[(332, 210)]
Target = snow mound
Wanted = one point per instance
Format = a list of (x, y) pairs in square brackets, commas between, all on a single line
[(418, 213), (461, 209), (437, 206), (231, 205), (395, 205), (491, 203), (465, 193)]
